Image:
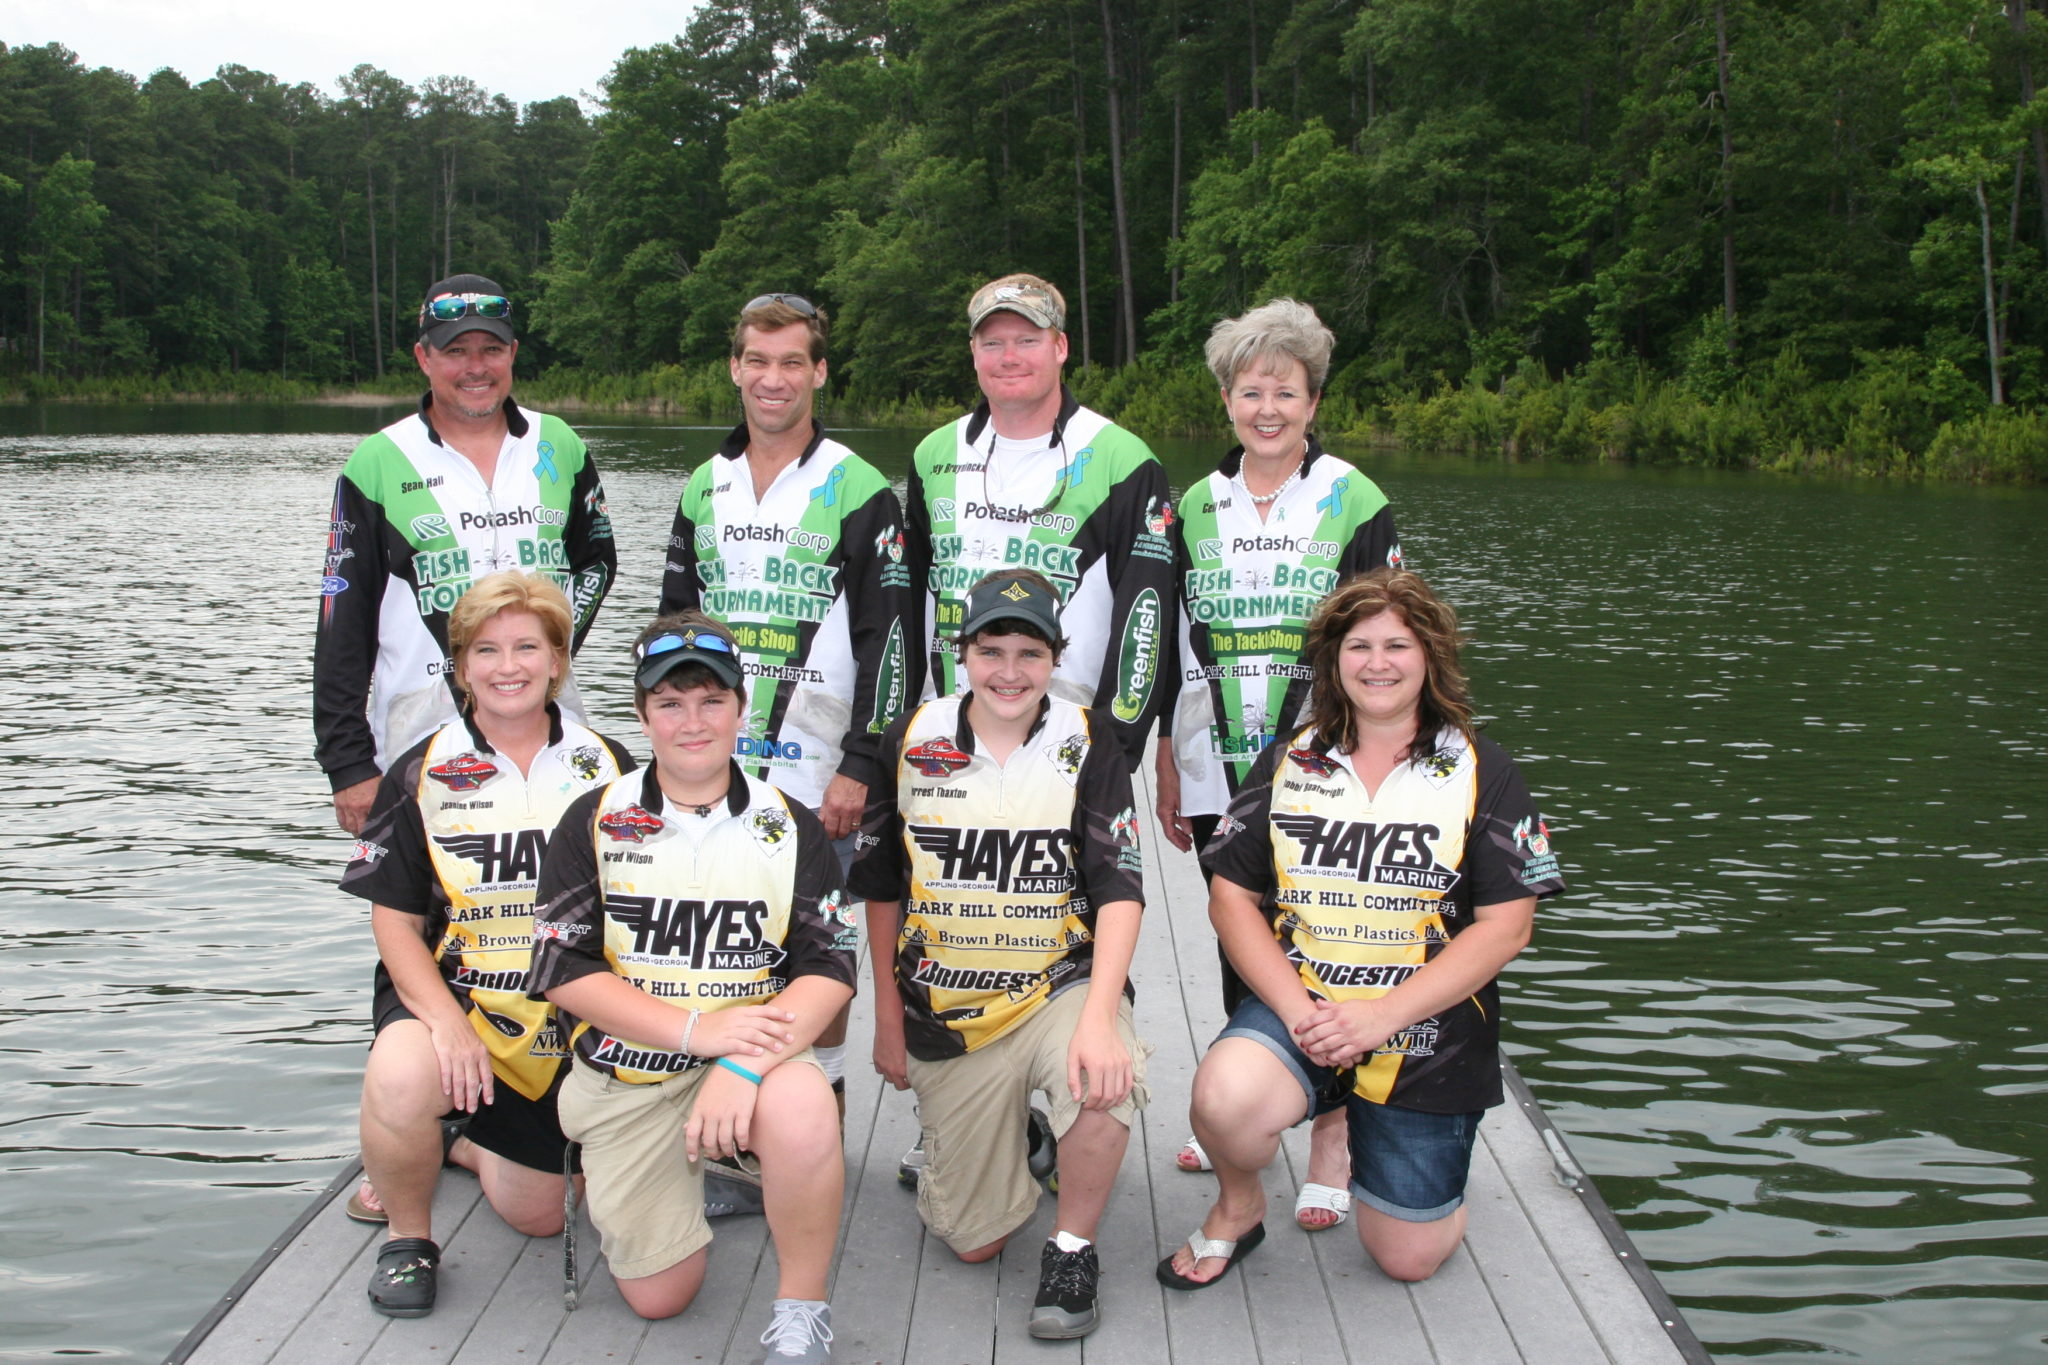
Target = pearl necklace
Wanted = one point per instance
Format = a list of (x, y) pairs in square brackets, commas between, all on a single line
[(1261, 499), (1264, 499)]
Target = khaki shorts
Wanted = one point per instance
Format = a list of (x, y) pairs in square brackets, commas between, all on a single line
[(977, 1185), (646, 1199)]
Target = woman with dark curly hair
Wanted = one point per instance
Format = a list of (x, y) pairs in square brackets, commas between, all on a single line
[(1372, 877)]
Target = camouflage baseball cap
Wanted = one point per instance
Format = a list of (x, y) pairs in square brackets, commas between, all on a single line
[(1025, 295)]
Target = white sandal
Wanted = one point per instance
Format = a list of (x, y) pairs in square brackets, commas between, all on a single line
[(1328, 1198), (1204, 1248), (1201, 1158)]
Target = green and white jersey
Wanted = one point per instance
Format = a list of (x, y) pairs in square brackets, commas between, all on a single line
[(1248, 588), (1088, 507), (703, 912), (813, 578), (412, 526), (999, 866)]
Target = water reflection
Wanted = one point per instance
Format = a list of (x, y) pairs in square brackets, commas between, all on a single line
[(1788, 735)]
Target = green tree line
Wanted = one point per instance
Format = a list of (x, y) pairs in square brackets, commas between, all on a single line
[(1807, 233)]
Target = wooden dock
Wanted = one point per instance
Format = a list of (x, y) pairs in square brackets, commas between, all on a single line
[(1545, 1275)]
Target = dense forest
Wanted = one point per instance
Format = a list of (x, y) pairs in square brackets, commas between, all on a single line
[(1801, 233)]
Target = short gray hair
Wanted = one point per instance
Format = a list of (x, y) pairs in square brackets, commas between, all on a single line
[(1281, 327)]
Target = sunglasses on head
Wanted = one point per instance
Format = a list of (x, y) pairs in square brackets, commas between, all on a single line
[(695, 639), (796, 301), (450, 307)]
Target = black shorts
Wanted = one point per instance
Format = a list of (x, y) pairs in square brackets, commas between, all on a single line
[(523, 1131)]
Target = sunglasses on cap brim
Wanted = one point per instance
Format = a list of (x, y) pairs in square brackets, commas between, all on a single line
[(454, 307), (702, 640)]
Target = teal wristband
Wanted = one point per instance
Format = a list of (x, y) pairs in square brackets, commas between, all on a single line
[(730, 1065)]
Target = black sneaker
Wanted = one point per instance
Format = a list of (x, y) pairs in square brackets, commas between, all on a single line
[(1042, 1150), (402, 1286), (729, 1189), (1065, 1306)]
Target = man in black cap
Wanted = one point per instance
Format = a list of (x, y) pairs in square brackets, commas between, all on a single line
[(469, 484)]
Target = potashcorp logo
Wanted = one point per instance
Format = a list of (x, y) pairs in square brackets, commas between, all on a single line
[(942, 509), (1138, 661), (429, 526), (1210, 547)]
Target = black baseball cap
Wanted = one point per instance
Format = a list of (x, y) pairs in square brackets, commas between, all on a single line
[(481, 293), (1012, 599)]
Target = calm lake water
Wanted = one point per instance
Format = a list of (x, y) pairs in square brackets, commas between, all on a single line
[(1790, 737)]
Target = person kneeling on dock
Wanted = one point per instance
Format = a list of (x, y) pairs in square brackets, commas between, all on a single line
[(694, 931), (1374, 874), (1007, 818), (448, 856)]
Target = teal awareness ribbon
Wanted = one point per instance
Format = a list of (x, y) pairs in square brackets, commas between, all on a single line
[(829, 490), (1334, 504), (546, 463), (1071, 472)]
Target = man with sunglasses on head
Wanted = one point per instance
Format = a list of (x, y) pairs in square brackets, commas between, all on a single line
[(797, 543), (469, 484), (1031, 479)]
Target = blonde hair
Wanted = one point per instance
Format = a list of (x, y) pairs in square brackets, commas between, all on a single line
[(510, 590)]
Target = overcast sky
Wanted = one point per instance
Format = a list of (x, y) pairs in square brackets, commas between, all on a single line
[(526, 49)]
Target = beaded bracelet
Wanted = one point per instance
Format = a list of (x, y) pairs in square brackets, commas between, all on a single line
[(730, 1065), (688, 1029)]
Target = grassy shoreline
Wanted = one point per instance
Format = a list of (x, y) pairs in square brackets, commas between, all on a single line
[(1876, 425)]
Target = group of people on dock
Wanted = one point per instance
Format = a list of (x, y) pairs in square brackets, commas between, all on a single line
[(638, 979)]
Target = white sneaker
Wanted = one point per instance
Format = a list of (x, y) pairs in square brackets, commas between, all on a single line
[(800, 1331)]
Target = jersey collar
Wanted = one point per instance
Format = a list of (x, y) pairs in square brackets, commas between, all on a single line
[(963, 732), (734, 446), (1233, 462), (654, 800), (515, 420), (1069, 405), (483, 746)]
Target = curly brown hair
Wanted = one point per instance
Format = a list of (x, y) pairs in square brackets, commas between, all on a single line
[(1446, 696)]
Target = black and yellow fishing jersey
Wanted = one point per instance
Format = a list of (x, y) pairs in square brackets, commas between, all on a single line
[(999, 865), (700, 913), (456, 835), (1363, 890)]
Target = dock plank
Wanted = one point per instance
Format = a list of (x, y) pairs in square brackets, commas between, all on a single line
[(303, 1272), (1532, 1298), (474, 1267), (527, 1311), (1537, 1281), (340, 1328), (1605, 1295)]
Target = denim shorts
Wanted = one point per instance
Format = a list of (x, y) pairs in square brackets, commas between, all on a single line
[(1407, 1164)]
